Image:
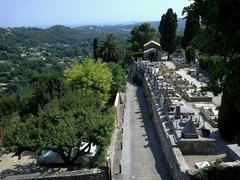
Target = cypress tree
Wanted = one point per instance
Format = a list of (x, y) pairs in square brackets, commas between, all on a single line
[(191, 28), (95, 45), (167, 29)]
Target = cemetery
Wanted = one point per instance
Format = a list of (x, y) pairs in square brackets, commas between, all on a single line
[(185, 119)]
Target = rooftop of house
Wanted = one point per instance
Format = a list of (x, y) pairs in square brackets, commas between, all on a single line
[(154, 42)]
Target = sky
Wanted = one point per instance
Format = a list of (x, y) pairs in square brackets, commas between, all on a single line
[(37, 13)]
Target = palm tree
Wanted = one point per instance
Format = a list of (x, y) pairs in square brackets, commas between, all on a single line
[(109, 49)]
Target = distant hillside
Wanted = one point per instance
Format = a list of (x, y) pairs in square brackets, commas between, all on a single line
[(124, 29), (35, 36), (59, 41), (101, 31), (180, 27), (65, 41), (80, 36)]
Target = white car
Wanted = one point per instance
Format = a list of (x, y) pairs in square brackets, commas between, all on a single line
[(50, 157)]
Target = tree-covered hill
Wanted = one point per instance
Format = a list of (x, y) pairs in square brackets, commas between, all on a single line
[(34, 36), (60, 37), (25, 51), (58, 40), (125, 29)]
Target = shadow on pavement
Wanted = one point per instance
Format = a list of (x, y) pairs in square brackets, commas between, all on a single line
[(152, 137)]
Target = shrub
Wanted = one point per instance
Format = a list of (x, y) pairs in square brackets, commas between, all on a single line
[(218, 172)]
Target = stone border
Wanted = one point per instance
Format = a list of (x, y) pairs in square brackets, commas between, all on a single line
[(233, 152), (90, 174), (115, 153)]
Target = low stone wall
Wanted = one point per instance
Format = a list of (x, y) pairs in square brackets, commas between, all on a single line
[(114, 155), (197, 146), (191, 98), (181, 65), (174, 157), (198, 98), (233, 152), (92, 174)]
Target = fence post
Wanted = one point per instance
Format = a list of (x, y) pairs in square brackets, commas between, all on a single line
[(109, 168), (120, 169)]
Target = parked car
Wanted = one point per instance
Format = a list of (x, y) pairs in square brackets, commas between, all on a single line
[(50, 157)]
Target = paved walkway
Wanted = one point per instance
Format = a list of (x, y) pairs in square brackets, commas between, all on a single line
[(142, 157)]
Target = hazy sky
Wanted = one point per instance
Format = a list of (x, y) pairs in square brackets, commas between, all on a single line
[(82, 12)]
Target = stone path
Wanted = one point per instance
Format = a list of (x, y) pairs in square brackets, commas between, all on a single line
[(142, 157)]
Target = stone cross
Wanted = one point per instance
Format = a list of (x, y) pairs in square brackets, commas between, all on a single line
[(178, 112)]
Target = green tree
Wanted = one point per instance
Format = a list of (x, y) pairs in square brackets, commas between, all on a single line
[(68, 126), (91, 76), (167, 29), (190, 54), (118, 79), (178, 41), (220, 36), (191, 29), (8, 105), (48, 85), (43, 88), (109, 50), (95, 45), (139, 36)]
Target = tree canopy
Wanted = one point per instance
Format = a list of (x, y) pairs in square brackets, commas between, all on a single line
[(118, 79), (218, 40), (62, 125), (139, 36), (45, 86), (109, 50), (95, 45), (167, 29), (191, 29), (66, 114), (91, 76), (190, 54), (41, 107)]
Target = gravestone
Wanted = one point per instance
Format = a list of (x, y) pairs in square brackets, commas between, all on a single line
[(189, 130)]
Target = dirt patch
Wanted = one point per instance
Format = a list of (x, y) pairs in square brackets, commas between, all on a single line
[(12, 165)]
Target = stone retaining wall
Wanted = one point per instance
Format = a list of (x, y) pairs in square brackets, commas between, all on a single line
[(174, 157), (197, 146)]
